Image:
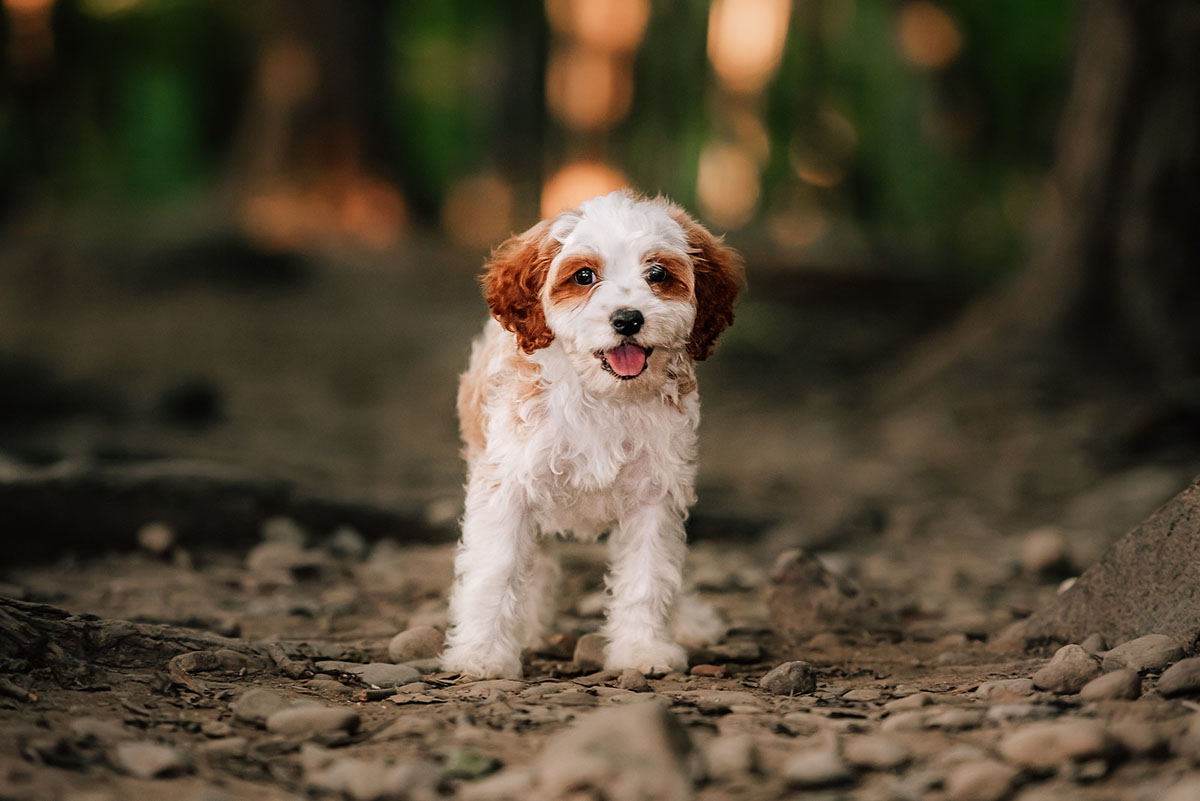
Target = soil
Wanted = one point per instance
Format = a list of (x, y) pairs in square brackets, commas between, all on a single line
[(337, 373)]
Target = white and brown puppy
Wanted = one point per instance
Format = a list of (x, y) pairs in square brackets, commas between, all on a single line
[(579, 413)]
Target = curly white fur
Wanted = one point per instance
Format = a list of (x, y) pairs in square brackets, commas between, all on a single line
[(558, 444)]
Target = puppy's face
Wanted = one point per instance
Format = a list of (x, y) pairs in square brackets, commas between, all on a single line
[(624, 285)]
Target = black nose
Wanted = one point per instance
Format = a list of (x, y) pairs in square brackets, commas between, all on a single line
[(626, 322)]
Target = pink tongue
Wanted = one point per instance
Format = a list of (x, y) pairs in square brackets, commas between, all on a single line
[(627, 360)]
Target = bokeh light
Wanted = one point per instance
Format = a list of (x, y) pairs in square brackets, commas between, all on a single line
[(588, 89), (745, 41), (577, 182), (928, 36), (727, 184), (478, 210)]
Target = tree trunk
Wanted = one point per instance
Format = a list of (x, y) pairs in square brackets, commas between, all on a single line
[(1117, 281)]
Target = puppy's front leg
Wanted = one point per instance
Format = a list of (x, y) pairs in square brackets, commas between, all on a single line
[(647, 552), (492, 570)]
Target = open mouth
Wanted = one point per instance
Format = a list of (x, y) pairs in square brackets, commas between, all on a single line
[(625, 361)]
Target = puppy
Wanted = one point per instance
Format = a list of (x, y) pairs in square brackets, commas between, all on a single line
[(578, 413)]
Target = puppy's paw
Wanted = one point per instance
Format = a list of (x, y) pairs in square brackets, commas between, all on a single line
[(480, 665), (645, 656)]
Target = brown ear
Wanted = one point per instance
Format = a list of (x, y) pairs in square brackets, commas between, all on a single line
[(512, 285), (719, 274)]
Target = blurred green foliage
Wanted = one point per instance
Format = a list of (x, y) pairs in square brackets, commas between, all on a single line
[(143, 101)]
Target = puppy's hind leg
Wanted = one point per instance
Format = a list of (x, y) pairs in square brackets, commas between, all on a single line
[(542, 596)]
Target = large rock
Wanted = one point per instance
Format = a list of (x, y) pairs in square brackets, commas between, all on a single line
[(805, 597), (629, 753), (1143, 584)]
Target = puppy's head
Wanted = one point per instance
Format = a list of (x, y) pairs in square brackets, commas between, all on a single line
[(625, 285)]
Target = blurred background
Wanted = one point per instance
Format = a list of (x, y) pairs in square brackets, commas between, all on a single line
[(249, 233)]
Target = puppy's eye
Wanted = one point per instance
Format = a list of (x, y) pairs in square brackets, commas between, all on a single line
[(584, 277), (656, 274)]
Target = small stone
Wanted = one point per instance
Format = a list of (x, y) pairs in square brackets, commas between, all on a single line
[(309, 720), (257, 704), (1123, 684), (1042, 746), (589, 652), (816, 768), (347, 543), (215, 728), (719, 700), (790, 678), (731, 756), (1000, 690), (283, 530), (1044, 552), (631, 679), (628, 751), (876, 752), (156, 538), (1020, 713), (911, 701), (956, 719), (560, 646), (1094, 644), (1065, 585), (1151, 652), (985, 780), (708, 671), (863, 694), (1069, 669), (910, 720), (422, 642), (507, 785), (1140, 738), (1181, 678), (382, 674), (99, 730), (464, 762), (149, 760), (224, 747)]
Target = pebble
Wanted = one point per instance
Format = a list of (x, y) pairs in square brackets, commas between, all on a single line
[(347, 543), (1042, 746), (1151, 652), (1094, 644), (464, 762), (308, 720), (863, 694), (719, 700), (909, 720), (631, 679), (257, 704), (708, 671), (589, 652), (956, 719), (731, 756), (382, 674), (1070, 668), (876, 752), (366, 780), (1044, 552), (156, 538), (627, 751), (985, 780), (99, 730), (225, 747), (329, 687), (1140, 738), (912, 701), (283, 530), (149, 760), (1004, 689), (1019, 713), (816, 768), (1181, 678), (790, 678), (1123, 684), (422, 642)]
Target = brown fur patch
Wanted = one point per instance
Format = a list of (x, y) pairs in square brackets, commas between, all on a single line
[(564, 291), (512, 285), (679, 282), (472, 417), (718, 274)]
